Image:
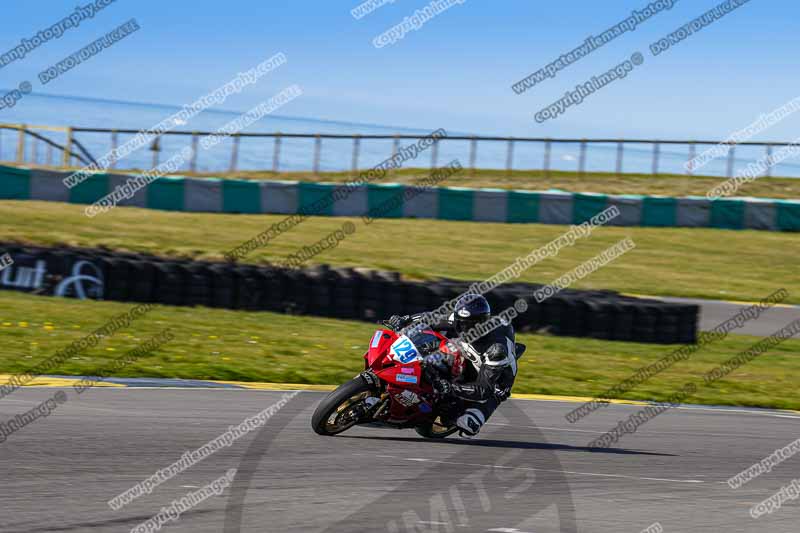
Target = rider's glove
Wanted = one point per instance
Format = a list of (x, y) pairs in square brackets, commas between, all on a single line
[(502, 394), (442, 387), (397, 322), (439, 361)]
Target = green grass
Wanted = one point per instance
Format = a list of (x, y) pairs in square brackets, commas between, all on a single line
[(233, 345), (599, 182), (708, 263)]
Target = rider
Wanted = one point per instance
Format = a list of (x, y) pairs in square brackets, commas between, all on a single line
[(492, 354)]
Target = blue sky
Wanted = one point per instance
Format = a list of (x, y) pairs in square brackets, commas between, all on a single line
[(454, 72)]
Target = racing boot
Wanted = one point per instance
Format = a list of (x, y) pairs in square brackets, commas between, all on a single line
[(470, 423)]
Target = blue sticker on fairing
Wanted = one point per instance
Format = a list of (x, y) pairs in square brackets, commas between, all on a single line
[(403, 378), (376, 339), (425, 408)]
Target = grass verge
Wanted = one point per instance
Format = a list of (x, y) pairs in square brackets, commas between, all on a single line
[(706, 263), (233, 345)]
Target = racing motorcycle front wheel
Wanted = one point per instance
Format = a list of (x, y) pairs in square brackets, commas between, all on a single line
[(343, 408)]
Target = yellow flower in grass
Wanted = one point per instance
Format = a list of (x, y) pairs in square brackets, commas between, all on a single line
[(48, 328), (22, 324), (6, 324)]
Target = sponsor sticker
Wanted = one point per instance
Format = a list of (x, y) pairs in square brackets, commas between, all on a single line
[(407, 398)]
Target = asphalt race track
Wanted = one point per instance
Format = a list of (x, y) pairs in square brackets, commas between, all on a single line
[(529, 472), (715, 312)]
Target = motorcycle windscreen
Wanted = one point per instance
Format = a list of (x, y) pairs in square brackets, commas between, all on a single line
[(406, 350)]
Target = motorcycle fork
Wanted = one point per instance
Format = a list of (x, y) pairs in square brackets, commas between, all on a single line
[(378, 409)]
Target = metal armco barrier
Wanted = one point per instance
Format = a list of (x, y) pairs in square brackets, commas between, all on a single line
[(347, 293)]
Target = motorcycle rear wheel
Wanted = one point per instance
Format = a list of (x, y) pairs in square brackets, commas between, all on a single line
[(333, 414)]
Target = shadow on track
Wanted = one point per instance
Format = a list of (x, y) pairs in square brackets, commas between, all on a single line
[(508, 444)]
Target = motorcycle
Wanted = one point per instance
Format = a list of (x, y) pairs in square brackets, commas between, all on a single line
[(394, 389)]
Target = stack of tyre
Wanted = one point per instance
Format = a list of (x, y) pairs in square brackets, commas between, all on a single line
[(361, 294)]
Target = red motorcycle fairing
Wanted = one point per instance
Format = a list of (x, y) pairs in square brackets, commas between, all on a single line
[(379, 348), (406, 376), (409, 405)]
